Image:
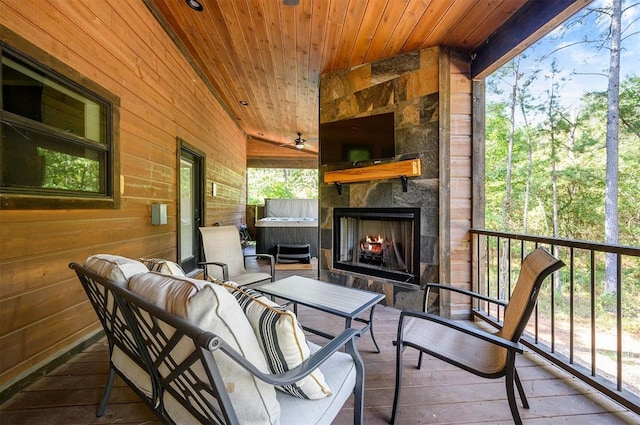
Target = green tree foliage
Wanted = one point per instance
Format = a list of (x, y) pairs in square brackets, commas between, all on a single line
[(630, 159), (630, 107), (70, 172), (567, 140), (280, 183), (579, 139)]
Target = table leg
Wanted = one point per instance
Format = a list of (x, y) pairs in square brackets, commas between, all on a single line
[(373, 338), (368, 325)]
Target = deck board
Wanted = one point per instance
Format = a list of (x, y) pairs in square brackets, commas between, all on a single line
[(436, 394)]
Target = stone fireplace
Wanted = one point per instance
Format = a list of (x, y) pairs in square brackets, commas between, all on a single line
[(406, 85), (379, 242)]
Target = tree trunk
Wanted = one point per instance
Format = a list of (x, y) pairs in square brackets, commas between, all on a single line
[(527, 192), (513, 102), (613, 120), (554, 177), (506, 207)]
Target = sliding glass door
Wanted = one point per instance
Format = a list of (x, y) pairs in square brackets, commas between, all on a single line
[(190, 209)]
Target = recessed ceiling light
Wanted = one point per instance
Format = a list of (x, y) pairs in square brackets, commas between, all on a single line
[(195, 5), (244, 103)]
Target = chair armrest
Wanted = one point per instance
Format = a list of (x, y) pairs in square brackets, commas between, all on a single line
[(225, 269), (478, 333), (465, 292), (272, 262), (347, 338)]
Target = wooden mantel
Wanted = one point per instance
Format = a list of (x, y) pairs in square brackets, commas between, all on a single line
[(390, 170)]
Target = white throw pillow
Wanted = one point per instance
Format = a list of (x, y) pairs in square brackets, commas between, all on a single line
[(214, 309), (282, 340), (114, 267)]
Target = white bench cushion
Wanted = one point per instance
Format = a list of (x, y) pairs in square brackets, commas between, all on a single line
[(214, 309), (340, 373)]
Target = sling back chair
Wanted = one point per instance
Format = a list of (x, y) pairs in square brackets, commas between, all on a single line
[(225, 259), (489, 355)]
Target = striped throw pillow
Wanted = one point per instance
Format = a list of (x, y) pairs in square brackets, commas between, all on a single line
[(282, 340), (163, 266)]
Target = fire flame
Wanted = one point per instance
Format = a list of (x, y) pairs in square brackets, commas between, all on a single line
[(373, 244), (373, 239)]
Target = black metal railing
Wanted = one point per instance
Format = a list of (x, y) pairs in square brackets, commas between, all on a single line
[(591, 332)]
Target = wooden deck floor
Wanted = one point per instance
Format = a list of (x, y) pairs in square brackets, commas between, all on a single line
[(436, 394)]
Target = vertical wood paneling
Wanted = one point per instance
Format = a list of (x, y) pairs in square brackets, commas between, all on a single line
[(122, 48), (455, 178), (478, 178), (444, 184), (460, 177)]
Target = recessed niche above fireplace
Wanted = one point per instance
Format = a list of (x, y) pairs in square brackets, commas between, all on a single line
[(381, 242)]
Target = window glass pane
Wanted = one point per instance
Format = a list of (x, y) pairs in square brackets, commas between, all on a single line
[(37, 160), (31, 94), (186, 209), (56, 137)]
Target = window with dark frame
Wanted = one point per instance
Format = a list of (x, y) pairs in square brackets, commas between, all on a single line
[(56, 138)]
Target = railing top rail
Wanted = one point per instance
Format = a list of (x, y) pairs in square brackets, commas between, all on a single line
[(594, 246)]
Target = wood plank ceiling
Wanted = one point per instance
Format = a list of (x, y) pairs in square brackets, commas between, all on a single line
[(270, 55)]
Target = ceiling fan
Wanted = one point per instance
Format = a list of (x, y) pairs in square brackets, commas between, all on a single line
[(299, 143)]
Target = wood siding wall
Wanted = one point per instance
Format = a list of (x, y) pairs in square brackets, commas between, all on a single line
[(456, 178), (121, 47)]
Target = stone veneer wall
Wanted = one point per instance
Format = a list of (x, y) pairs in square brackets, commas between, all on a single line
[(408, 85)]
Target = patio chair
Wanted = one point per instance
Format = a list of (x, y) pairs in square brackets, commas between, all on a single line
[(225, 259), (489, 355)]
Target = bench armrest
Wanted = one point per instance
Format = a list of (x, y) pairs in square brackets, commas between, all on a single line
[(347, 339)]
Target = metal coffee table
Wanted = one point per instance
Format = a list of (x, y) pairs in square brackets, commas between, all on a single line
[(334, 299)]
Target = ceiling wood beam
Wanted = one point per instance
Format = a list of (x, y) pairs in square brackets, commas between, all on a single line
[(300, 163), (531, 22)]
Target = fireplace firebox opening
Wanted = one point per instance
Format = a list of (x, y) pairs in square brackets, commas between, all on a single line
[(381, 242)]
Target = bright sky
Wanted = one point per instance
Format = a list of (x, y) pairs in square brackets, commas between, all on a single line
[(579, 62)]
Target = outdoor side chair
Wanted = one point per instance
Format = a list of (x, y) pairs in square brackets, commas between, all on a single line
[(225, 259), (489, 355)]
